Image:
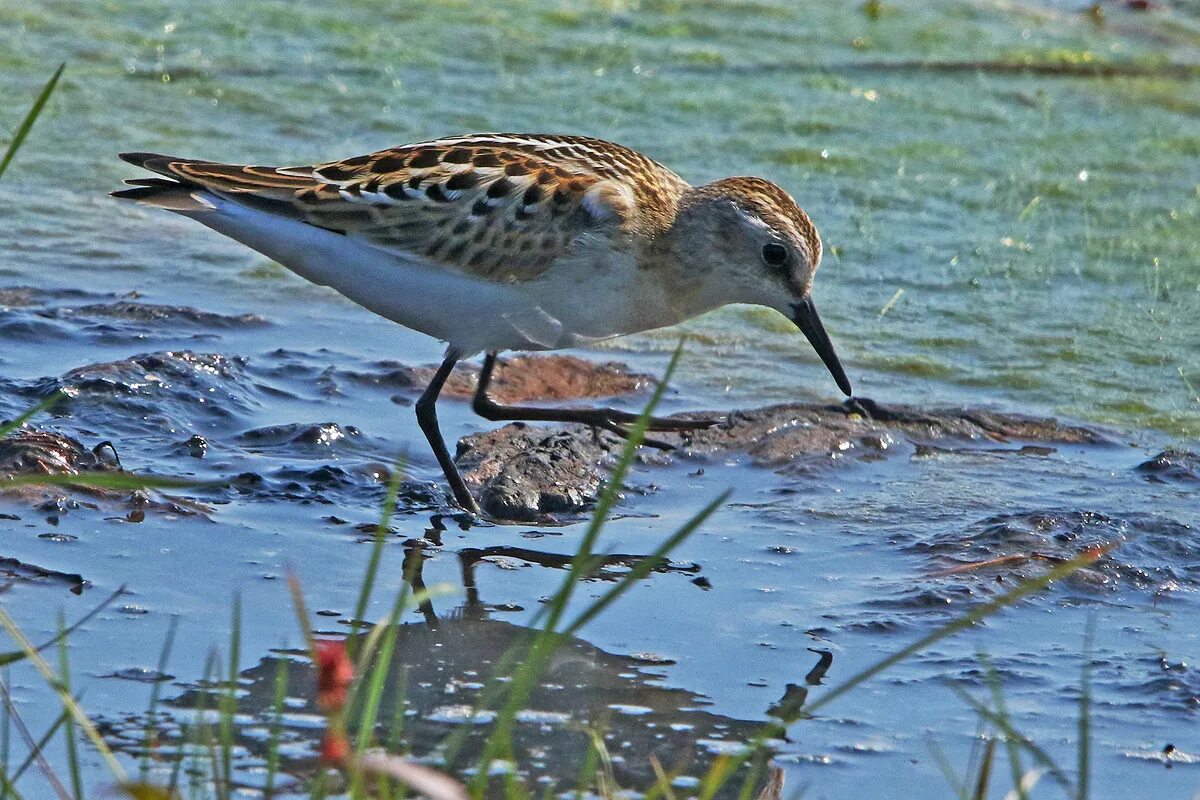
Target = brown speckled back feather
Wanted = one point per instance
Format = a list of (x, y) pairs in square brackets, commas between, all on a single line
[(500, 206)]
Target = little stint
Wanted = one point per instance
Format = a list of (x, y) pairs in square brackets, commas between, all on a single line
[(505, 241)]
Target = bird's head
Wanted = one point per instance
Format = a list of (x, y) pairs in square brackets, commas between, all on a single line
[(755, 245)]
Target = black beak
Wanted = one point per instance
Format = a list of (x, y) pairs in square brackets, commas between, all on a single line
[(804, 314)]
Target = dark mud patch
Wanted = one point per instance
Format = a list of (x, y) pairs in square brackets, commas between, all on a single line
[(14, 571), (525, 473), (359, 485), (1172, 466), (1152, 553)]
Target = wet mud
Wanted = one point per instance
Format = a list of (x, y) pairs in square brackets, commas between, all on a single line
[(525, 472)]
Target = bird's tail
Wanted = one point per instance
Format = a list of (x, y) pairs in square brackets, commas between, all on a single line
[(186, 182)]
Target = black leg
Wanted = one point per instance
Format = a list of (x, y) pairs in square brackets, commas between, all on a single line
[(427, 419), (610, 419)]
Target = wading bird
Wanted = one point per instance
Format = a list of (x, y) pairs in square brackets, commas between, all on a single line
[(505, 241)]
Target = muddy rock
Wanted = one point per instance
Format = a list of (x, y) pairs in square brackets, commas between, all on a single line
[(36, 296), (777, 435), (1172, 466), (13, 571), (29, 451), (33, 451), (525, 472)]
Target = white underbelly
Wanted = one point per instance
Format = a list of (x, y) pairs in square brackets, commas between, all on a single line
[(565, 307)]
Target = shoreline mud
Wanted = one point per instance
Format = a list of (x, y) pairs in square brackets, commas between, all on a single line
[(523, 472)]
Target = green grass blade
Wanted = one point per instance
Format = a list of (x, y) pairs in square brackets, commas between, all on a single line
[(725, 766), (608, 499), (758, 771), (281, 680), (6, 789), (229, 700), (588, 771), (1003, 725), (302, 617), (375, 679), (106, 480), (47, 771), (13, 656), (213, 677), (64, 670), (646, 565), (40, 747), (947, 770), (396, 728), (985, 771), (177, 764), (30, 118), (547, 640), (1011, 745), (1015, 595), (81, 719), (662, 781), (164, 656), (368, 583)]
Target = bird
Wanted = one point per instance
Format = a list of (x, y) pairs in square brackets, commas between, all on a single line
[(492, 242)]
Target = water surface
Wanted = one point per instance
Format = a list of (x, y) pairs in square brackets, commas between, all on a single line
[(1032, 237)]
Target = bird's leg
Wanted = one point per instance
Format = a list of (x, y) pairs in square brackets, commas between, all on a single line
[(427, 419), (610, 419)]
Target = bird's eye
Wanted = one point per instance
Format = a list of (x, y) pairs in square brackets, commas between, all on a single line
[(774, 254)]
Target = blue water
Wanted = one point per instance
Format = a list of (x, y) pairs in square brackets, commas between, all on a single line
[(1037, 233)]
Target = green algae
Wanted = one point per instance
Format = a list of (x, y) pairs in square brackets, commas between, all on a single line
[(1020, 172)]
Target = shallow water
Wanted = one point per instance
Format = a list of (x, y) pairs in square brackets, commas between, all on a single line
[(1043, 230)]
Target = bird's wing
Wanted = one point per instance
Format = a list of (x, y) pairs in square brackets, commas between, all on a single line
[(498, 206)]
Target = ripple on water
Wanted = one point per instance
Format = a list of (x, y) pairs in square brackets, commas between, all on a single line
[(150, 391), (40, 315)]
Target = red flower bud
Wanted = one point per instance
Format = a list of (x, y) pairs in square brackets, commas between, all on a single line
[(334, 673), (335, 747)]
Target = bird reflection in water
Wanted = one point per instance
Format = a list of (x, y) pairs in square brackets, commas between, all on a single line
[(441, 667)]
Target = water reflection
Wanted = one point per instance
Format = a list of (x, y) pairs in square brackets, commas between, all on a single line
[(442, 664)]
